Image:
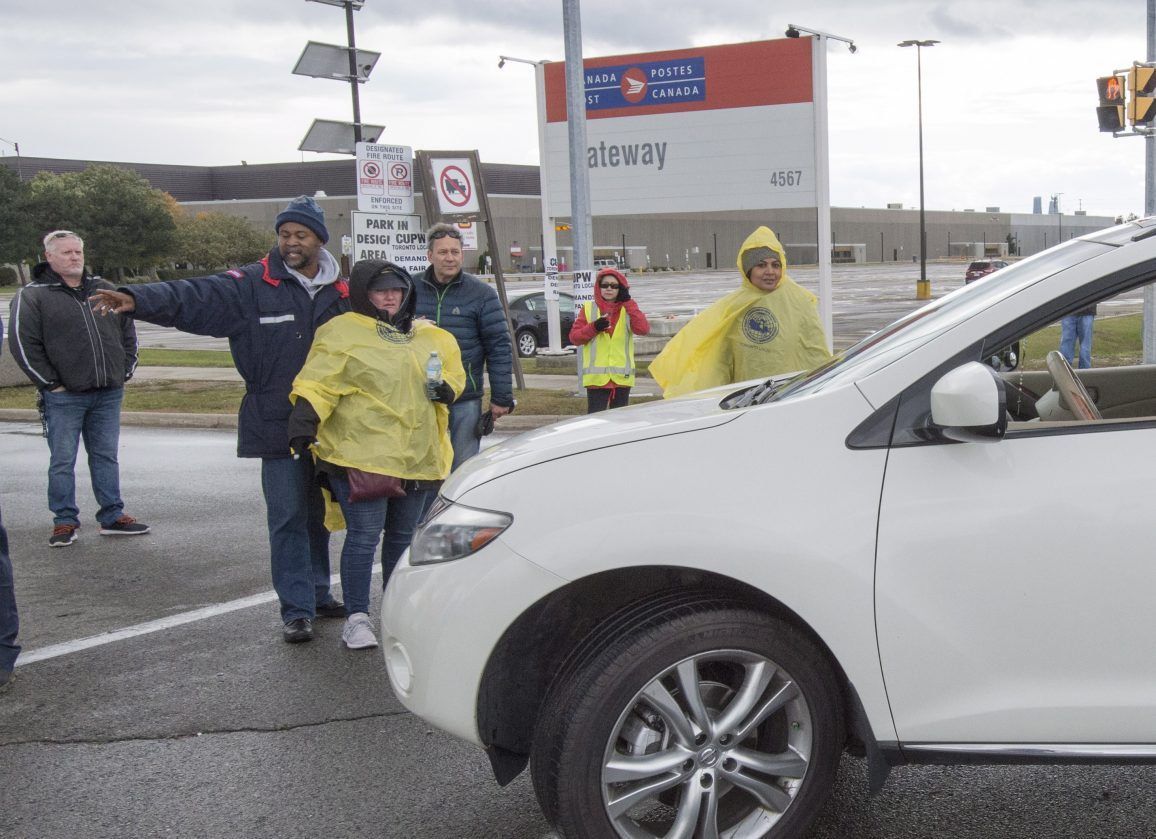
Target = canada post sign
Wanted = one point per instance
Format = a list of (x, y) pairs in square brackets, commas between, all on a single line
[(701, 129), (647, 83)]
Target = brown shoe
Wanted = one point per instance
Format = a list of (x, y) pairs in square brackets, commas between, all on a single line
[(63, 535)]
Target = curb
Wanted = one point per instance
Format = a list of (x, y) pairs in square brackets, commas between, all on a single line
[(160, 419)]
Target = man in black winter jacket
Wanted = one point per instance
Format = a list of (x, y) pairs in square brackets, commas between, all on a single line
[(79, 363), (269, 311), (469, 310)]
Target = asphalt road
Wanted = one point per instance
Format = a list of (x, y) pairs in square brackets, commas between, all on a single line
[(204, 724)]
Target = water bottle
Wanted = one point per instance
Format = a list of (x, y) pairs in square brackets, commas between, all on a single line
[(433, 374)]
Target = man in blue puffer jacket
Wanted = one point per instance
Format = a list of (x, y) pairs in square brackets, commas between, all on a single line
[(269, 311), (470, 310)]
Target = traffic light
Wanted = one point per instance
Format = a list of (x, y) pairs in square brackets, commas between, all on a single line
[(1110, 113), (1141, 84)]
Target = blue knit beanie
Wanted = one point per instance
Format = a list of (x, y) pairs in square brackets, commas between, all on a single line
[(304, 210)]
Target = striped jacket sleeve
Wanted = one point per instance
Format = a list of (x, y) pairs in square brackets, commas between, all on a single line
[(26, 341)]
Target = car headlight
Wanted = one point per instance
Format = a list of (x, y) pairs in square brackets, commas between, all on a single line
[(454, 531)]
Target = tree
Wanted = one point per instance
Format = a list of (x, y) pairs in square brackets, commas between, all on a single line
[(18, 240), (218, 240), (124, 222), (128, 222)]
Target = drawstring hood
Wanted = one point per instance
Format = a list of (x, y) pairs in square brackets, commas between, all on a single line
[(375, 274)]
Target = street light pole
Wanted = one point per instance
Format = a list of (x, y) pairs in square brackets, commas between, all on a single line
[(15, 145), (549, 238), (923, 288), (822, 166)]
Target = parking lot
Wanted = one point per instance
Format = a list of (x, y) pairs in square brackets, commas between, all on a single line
[(195, 719), (156, 698)]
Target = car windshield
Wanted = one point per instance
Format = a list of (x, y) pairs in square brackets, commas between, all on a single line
[(916, 329)]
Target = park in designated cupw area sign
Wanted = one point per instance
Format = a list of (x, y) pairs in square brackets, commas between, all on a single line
[(398, 239)]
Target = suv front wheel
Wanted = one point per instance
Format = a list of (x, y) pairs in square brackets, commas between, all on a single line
[(697, 717)]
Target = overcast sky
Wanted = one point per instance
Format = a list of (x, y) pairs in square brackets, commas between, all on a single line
[(1008, 96)]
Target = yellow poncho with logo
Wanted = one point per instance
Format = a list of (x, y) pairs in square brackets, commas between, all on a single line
[(748, 334), (366, 381)]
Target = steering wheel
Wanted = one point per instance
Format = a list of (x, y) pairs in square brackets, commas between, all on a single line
[(1072, 391)]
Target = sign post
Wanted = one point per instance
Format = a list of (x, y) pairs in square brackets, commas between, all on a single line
[(455, 193)]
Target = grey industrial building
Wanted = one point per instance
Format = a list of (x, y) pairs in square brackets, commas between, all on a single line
[(677, 240)]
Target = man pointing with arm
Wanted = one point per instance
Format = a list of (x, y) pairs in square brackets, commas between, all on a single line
[(269, 311)]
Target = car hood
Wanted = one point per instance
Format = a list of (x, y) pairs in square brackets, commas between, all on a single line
[(692, 412)]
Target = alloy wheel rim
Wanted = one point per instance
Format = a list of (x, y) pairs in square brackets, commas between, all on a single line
[(716, 745)]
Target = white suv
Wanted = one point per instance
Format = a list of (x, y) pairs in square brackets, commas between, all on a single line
[(936, 548)]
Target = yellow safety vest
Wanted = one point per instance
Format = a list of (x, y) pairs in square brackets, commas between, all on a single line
[(609, 356)]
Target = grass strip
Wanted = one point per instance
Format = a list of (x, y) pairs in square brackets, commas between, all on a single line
[(225, 398)]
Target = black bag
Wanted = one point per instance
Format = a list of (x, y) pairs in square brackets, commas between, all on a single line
[(367, 486)]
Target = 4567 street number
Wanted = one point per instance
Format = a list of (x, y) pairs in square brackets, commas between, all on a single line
[(787, 177)]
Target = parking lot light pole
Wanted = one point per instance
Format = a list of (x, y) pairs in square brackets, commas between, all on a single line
[(549, 239), (923, 287)]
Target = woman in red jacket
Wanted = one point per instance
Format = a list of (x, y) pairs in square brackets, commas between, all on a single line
[(607, 341)]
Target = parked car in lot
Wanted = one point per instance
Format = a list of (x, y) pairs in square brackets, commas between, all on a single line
[(935, 548), (981, 268), (531, 327)]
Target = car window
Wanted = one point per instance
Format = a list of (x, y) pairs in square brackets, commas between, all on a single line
[(917, 328), (976, 266), (1102, 341), (566, 304)]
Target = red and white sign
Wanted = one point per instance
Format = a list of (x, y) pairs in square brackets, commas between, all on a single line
[(384, 178), (469, 232), (695, 130), (456, 192)]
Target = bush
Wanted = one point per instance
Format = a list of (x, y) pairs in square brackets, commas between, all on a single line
[(8, 275)]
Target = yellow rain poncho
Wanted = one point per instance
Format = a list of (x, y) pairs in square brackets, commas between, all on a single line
[(366, 381), (748, 334)]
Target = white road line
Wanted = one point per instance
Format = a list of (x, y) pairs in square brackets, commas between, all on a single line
[(159, 625)]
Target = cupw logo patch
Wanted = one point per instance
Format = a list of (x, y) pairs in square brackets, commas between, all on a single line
[(394, 336), (760, 326)]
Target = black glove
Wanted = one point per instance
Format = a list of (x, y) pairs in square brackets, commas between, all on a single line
[(602, 324), (300, 446), (441, 392), (623, 294)]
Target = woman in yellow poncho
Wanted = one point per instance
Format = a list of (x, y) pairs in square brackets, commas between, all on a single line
[(767, 327), (362, 402)]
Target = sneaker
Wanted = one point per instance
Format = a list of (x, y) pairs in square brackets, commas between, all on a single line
[(63, 535), (358, 632), (331, 609), (297, 631), (124, 526)]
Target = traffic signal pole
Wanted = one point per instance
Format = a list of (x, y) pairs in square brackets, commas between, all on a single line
[(1150, 203)]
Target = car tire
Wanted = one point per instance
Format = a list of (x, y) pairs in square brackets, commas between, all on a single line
[(527, 343), (620, 698)]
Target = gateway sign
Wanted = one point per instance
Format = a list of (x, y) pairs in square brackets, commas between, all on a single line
[(698, 130)]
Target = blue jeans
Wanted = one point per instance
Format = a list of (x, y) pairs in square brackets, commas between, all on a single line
[(298, 540), (464, 418), (364, 522), (1071, 328), (95, 416), (9, 620)]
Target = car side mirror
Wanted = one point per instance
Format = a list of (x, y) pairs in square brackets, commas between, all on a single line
[(969, 404), (1006, 360)]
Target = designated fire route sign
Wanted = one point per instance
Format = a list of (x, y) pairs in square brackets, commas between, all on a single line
[(384, 178)]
